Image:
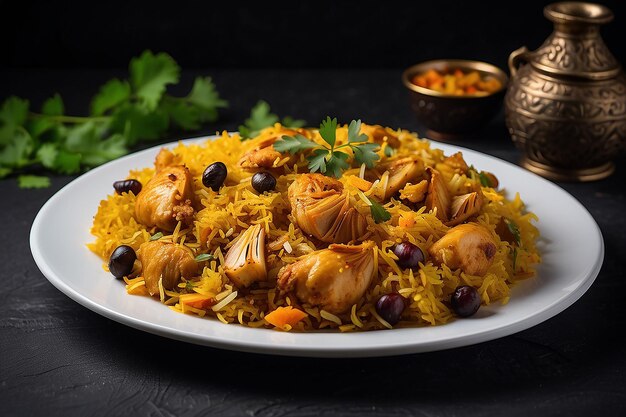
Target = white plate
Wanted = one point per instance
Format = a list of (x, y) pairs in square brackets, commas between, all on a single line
[(571, 246)]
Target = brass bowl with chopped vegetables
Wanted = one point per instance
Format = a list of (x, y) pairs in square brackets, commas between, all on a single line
[(354, 227)]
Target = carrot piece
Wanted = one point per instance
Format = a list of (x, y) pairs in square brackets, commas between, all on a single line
[(359, 183), (196, 300), (285, 315), (405, 221)]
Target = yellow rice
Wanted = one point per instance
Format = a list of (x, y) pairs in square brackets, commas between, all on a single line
[(237, 206)]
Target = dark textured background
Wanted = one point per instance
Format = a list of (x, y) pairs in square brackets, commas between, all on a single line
[(60, 359), (275, 34)]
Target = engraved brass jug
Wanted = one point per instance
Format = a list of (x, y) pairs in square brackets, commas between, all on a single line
[(565, 106)]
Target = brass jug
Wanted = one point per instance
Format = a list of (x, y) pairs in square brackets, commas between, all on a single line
[(565, 106)]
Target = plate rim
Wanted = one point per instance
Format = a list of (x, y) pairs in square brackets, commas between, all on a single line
[(251, 346)]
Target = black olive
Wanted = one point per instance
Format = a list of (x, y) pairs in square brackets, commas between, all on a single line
[(409, 255), (214, 176), (390, 307), (263, 181), (125, 186), (465, 301), (121, 261)]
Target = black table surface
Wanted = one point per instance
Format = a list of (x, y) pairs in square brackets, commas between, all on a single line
[(58, 358)]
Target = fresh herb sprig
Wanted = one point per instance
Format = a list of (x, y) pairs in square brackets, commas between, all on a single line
[(517, 237), (328, 158), (123, 112), (262, 117)]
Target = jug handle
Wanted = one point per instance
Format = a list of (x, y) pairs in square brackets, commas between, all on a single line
[(516, 58)]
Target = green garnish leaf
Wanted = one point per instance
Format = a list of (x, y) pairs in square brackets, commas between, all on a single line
[(294, 144), (353, 132), (156, 236), (33, 181), (317, 161), (204, 257), (53, 106), (336, 164), (379, 213), (514, 258), (123, 112), (289, 121), (262, 117), (366, 154), (150, 74), (328, 130), (514, 229), (484, 179), (113, 93), (389, 151)]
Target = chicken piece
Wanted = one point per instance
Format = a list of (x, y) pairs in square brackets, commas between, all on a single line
[(167, 262), (465, 206), (468, 246), (379, 134), (457, 163), (414, 192), (166, 199), (333, 279), (322, 209), (164, 159), (401, 172), (244, 262), (438, 195), (263, 155)]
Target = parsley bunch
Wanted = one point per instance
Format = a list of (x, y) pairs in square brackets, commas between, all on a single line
[(330, 159), (262, 117), (123, 112)]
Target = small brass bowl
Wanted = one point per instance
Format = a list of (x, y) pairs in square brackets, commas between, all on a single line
[(447, 115)]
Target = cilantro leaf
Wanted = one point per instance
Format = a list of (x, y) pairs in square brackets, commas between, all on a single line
[(484, 179), (204, 257), (289, 121), (388, 151), (353, 132), (328, 130), (379, 213), (12, 115), (67, 162), (205, 97), (137, 123), (182, 113), (294, 144), (260, 118), (366, 154), (53, 106), (156, 236), (33, 181), (336, 164), (111, 94), (87, 141), (317, 160), (5, 171), (514, 229), (47, 154), (150, 74), (16, 152)]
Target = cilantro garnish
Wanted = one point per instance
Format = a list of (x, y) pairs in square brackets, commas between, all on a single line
[(514, 229), (262, 117), (204, 257), (156, 236), (379, 213), (33, 181), (328, 158), (123, 112)]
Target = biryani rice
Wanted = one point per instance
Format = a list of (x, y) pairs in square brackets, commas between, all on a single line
[(237, 206)]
